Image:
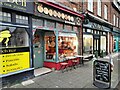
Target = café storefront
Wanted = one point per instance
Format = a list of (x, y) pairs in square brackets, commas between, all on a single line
[(56, 31), (15, 41), (95, 36), (116, 40)]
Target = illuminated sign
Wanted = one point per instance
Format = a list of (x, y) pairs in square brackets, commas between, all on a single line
[(14, 59)]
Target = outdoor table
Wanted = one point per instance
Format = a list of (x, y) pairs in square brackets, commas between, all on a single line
[(81, 58)]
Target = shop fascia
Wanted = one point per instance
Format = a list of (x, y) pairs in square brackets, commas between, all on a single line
[(23, 2), (97, 26), (68, 19)]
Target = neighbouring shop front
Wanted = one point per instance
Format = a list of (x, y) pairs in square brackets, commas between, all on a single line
[(55, 34), (95, 37), (116, 39), (15, 42)]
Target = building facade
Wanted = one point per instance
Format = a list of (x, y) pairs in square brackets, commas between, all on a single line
[(35, 35), (101, 26)]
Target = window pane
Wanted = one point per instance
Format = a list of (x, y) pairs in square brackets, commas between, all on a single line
[(88, 43), (4, 16), (67, 45), (13, 37), (99, 7), (90, 5), (21, 19), (105, 11), (50, 45)]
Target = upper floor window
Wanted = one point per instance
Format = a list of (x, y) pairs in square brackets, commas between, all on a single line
[(105, 11), (5, 16), (114, 17), (90, 5), (117, 22), (21, 19), (99, 7)]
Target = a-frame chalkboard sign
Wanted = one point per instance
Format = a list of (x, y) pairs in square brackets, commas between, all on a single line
[(102, 74)]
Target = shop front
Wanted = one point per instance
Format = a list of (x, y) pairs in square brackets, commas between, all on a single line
[(55, 34), (116, 40), (15, 42), (95, 38)]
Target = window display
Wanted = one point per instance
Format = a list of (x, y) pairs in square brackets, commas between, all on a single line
[(103, 43), (13, 37), (67, 45), (50, 45), (88, 43)]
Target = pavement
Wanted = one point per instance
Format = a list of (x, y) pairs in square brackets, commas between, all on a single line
[(81, 77)]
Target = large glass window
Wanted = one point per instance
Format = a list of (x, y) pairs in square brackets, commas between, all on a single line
[(13, 37), (67, 45), (50, 45), (103, 43), (88, 44)]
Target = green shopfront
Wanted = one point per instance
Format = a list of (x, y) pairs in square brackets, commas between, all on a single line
[(116, 40), (15, 41)]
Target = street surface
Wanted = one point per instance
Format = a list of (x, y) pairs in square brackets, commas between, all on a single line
[(81, 77)]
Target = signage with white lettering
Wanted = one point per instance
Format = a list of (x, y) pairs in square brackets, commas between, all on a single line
[(18, 5)]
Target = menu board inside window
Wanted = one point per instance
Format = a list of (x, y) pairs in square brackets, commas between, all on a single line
[(68, 27), (50, 24), (60, 26)]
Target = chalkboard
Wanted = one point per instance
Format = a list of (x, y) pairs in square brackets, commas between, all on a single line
[(101, 73)]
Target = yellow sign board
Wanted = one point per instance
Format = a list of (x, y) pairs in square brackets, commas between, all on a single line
[(13, 62)]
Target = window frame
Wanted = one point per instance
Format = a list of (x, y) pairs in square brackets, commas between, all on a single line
[(90, 5), (99, 7), (105, 12), (114, 19)]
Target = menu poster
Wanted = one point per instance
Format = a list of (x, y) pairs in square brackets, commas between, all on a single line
[(102, 71)]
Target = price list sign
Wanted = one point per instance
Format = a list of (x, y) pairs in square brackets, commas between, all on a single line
[(102, 73)]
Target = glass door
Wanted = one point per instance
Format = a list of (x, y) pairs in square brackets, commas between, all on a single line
[(97, 46)]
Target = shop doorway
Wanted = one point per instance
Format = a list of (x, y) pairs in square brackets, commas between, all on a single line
[(96, 45), (38, 49)]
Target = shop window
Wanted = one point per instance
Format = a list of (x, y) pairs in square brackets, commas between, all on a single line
[(37, 23), (13, 37), (89, 30), (67, 45), (50, 45), (114, 43), (75, 29), (59, 26), (21, 19), (103, 43), (68, 27), (87, 44), (104, 33), (4, 16), (83, 29), (50, 24)]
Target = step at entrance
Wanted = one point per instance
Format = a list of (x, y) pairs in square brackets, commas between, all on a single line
[(41, 71)]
